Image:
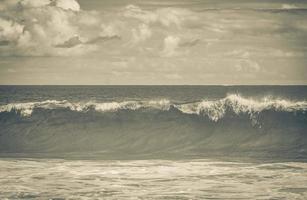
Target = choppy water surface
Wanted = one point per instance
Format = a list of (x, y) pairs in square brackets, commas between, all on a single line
[(151, 179)]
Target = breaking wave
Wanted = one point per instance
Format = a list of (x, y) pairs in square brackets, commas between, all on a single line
[(214, 109), (236, 125)]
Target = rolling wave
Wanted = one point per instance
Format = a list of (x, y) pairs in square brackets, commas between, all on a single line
[(157, 128), (214, 109)]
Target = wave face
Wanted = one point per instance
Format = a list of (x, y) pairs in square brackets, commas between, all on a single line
[(234, 125)]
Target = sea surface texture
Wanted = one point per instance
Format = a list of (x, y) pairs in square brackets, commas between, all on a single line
[(153, 142)]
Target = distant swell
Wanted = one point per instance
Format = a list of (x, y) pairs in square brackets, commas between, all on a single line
[(268, 127)]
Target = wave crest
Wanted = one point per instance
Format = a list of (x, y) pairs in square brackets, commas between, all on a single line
[(26, 109), (213, 109), (217, 109)]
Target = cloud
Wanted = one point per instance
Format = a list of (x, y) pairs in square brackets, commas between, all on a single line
[(239, 53), (68, 4), (288, 6), (220, 40), (70, 42), (108, 31), (178, 45), (190, 42), (102, 39), (26, 4), (62, 28), (171, 44), (163, 16), (34, 3), (141, 33), (247, 65), (64, 4), (40, 27), (243, 60), (10, 30)]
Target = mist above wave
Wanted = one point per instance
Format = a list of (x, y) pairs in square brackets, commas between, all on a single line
[(213, 109)]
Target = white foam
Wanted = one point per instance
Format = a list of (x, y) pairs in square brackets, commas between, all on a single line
[(26, 109), (214, 109)]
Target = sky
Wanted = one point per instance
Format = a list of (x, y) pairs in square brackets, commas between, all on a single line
[(153, 42)]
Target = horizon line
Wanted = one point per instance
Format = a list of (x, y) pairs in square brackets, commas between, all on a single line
[(153, 84)]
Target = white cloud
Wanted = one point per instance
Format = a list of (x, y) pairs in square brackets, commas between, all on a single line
[(171, 43), (244, 61), (45, 26), (9, 30), (164, 16), (285, 54), (60, 27), (68, 4), (34, 3), (137, 13), (57, 27), (247, 65), (239, 53), (288, 6), (142, 33), (194, 38), (108, 31), (25, 4)]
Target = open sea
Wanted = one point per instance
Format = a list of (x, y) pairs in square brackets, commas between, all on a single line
[(153, 142)]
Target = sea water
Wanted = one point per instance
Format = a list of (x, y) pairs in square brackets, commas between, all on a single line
[(153, 142)]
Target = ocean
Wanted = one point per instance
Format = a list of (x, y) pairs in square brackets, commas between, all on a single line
[(153, 142)]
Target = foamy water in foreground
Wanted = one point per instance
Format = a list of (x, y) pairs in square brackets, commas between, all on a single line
[(150, 179)]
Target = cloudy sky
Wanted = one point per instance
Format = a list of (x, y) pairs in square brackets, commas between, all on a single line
[(153, 42)]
